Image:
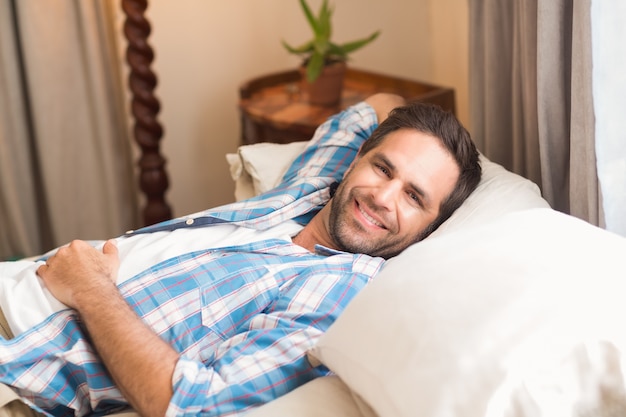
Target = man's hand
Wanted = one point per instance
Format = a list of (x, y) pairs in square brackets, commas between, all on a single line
[(78, 272), (140, 362), (383, 103)]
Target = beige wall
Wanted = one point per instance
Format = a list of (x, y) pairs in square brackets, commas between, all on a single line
[(206, 48)]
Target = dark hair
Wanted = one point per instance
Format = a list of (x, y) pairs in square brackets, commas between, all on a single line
[(433, 120)]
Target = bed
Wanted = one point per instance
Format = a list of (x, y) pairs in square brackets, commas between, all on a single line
[(509, 309)]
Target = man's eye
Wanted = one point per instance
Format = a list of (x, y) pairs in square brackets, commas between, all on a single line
[(382, 169), (415, 197)]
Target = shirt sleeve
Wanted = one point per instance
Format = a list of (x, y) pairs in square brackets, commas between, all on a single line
[(267, 359), (323, 162), (276, 364), (335, 144)]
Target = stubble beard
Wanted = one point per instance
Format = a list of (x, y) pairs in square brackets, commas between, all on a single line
[(341, 229)]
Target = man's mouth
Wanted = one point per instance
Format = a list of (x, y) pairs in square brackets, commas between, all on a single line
[(370, 218)]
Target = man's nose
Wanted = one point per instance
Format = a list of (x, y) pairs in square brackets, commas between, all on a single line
[(387, 193)]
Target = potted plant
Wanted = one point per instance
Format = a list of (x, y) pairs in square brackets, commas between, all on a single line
[(323, 58)]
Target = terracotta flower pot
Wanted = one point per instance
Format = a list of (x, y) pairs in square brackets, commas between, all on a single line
[(326, 89)]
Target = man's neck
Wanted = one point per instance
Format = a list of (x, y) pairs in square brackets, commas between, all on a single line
[(316, 232)]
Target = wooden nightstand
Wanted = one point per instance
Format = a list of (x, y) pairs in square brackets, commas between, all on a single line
[(273, 108)]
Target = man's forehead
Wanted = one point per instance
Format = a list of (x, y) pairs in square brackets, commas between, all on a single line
[(411, 142)]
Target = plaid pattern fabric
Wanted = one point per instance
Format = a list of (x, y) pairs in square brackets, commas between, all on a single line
[(242, 317)]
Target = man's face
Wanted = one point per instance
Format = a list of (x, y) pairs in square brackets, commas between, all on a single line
[(390, 194)]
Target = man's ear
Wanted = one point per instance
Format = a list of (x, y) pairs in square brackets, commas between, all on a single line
[(333, 189)]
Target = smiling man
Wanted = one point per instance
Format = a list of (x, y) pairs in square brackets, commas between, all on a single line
[(212, 314), (416, 168)]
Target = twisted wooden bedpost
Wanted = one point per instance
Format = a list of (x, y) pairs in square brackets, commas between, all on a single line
[(153, 179)]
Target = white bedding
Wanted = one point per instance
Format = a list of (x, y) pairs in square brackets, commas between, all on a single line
[(522, 316), (518, 315)]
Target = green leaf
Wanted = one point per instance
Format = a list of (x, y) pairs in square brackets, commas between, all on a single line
[(324, 21), (320, 46), (321, 51), (354, 45), (309, 16), (314, 67), (337, 51), (302, 49)]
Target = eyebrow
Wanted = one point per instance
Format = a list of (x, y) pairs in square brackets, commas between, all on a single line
[(418, 190)]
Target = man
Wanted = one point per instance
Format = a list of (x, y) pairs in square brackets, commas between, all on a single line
[(220, 326)]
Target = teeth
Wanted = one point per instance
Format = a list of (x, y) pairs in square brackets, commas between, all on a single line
[(369, 218)]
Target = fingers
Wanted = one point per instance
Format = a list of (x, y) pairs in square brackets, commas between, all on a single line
[(111, 252), (79, 252), (42, 269), (63, 254), (110, 248), (78, 271)]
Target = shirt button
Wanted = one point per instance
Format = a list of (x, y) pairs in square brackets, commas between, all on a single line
[(189, 222), (129, 232)]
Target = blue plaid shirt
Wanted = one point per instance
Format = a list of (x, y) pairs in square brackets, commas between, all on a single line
[(242, 317)]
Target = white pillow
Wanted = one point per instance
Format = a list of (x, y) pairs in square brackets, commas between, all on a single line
[(499, 192), (259, 167), (521, 316)]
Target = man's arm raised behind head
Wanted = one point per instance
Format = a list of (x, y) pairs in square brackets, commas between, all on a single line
[(383, 103)]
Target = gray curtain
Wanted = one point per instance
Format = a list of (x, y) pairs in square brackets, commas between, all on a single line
[(531, 96), (65, 154)]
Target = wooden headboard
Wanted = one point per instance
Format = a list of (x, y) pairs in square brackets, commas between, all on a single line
[(147, 131)]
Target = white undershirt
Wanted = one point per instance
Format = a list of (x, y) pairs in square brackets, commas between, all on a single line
[(25, 301)]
